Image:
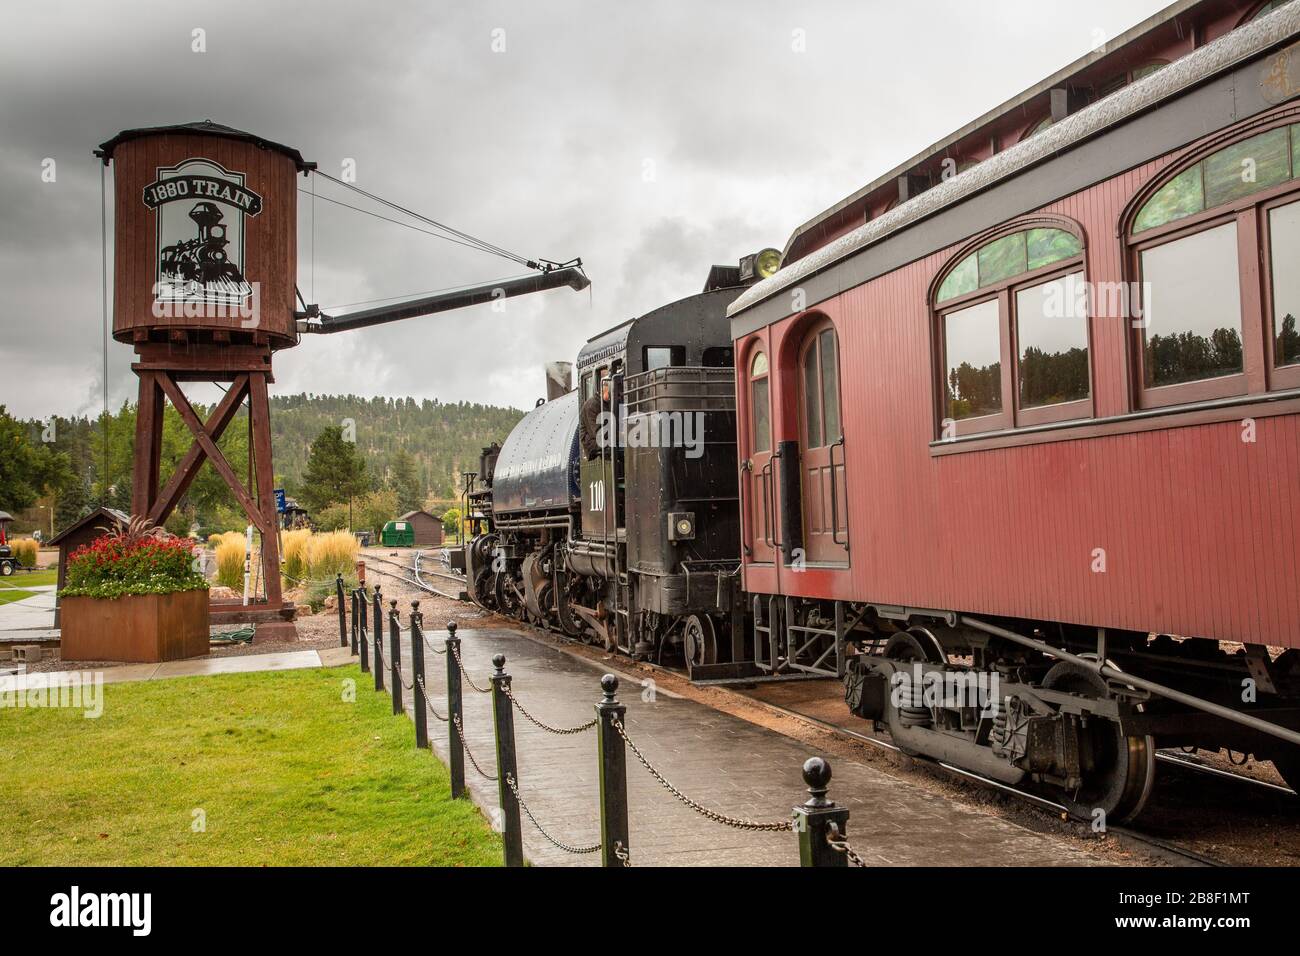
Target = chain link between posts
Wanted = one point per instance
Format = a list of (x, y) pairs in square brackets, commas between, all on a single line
[(841, 845), (428, 703), (468, 753), (560, 731), (714, 815), (468, 680), (576, 850)]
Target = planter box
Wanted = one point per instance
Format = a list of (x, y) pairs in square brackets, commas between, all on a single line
[(138, 627)]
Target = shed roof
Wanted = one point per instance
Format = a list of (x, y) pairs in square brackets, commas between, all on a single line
[(412, 514), (111, 515)]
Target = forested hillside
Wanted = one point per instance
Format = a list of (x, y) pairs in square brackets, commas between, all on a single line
[(75, 464), (444, 439)]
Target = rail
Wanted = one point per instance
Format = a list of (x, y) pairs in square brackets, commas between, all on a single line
[(819, 825)]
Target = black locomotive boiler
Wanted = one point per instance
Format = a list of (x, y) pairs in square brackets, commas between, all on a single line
[(610, 513)]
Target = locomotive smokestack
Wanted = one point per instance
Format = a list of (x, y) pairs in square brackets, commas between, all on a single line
[(559, 379)]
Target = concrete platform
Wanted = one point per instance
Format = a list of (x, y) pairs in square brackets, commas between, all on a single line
[(721, 761), (204, 666)]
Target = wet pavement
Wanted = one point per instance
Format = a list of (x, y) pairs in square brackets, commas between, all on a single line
[(723, 762)]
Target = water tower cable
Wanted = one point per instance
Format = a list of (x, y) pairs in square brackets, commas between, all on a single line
[(464, 236)]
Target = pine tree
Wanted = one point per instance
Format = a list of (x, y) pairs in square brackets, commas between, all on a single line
[(403, 480), (335, 471)]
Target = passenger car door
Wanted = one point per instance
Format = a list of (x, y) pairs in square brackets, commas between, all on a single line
[(825, 501), (758, 480)]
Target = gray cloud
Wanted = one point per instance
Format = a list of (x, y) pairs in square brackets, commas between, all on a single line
[(543, 148)]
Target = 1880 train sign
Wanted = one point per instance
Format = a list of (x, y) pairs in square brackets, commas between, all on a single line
[(200, 246)]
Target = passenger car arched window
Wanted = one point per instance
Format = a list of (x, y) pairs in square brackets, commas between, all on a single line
[(760, 403), (820, 376), (1012, 332), (1213, 248)]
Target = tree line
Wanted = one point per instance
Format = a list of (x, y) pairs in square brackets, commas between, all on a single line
[(412, 450)]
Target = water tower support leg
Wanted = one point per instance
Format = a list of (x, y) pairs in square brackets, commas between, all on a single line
[(148, 444), (260, 413)]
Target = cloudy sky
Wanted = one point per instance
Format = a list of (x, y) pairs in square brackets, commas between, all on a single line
[(651, 139)]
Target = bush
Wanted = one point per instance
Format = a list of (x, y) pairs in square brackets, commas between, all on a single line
[(331, 554), (24, 550), (119, 564), (318, 591), (333, 518)]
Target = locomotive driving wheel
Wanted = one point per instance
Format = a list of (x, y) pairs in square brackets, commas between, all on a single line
[(699, 642), (485, 594), (509, 602), (1120, 769)]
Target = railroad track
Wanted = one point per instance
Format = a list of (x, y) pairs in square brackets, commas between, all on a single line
[(451, 586)]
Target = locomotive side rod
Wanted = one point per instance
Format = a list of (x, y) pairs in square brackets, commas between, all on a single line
[(1105, 670), (570, 276)]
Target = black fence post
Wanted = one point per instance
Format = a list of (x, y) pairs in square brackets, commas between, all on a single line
[(395, 664), (813, 821), (377, 622), (362, 643), (455, 751), (377, 644), (343, 625), (352, 595), (613, 776), (417, 668), (503, 720)]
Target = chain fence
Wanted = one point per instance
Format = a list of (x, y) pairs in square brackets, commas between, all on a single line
[(819, 823)]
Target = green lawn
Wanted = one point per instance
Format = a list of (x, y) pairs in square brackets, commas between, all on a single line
[(8, 595), (282, 768), (30, 579)]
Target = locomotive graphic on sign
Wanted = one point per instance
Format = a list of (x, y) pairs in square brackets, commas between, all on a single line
[(200, 252)]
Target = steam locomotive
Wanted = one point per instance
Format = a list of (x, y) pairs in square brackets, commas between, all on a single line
[(611, 511)]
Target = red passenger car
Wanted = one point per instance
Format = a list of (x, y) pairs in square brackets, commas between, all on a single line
[(1020, 422)]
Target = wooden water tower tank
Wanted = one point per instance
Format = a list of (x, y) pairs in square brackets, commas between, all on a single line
[(205, 260), (205, 231)]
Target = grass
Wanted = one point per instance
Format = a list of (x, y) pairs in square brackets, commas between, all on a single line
[(9, 594), (30, 579), (284, 770)]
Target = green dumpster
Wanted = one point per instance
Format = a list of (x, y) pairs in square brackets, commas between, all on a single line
[(398, 534)]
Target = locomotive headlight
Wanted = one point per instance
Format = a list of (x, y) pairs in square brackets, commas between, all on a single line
[(767, 262), (681, 526)]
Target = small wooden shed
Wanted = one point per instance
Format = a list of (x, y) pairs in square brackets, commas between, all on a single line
[(428, 529), (83, 532)]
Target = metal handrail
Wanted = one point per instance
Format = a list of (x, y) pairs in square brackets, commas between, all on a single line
[(835, 498)]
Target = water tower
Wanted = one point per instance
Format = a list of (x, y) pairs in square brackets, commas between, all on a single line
[(205, 262), (205, 257)]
